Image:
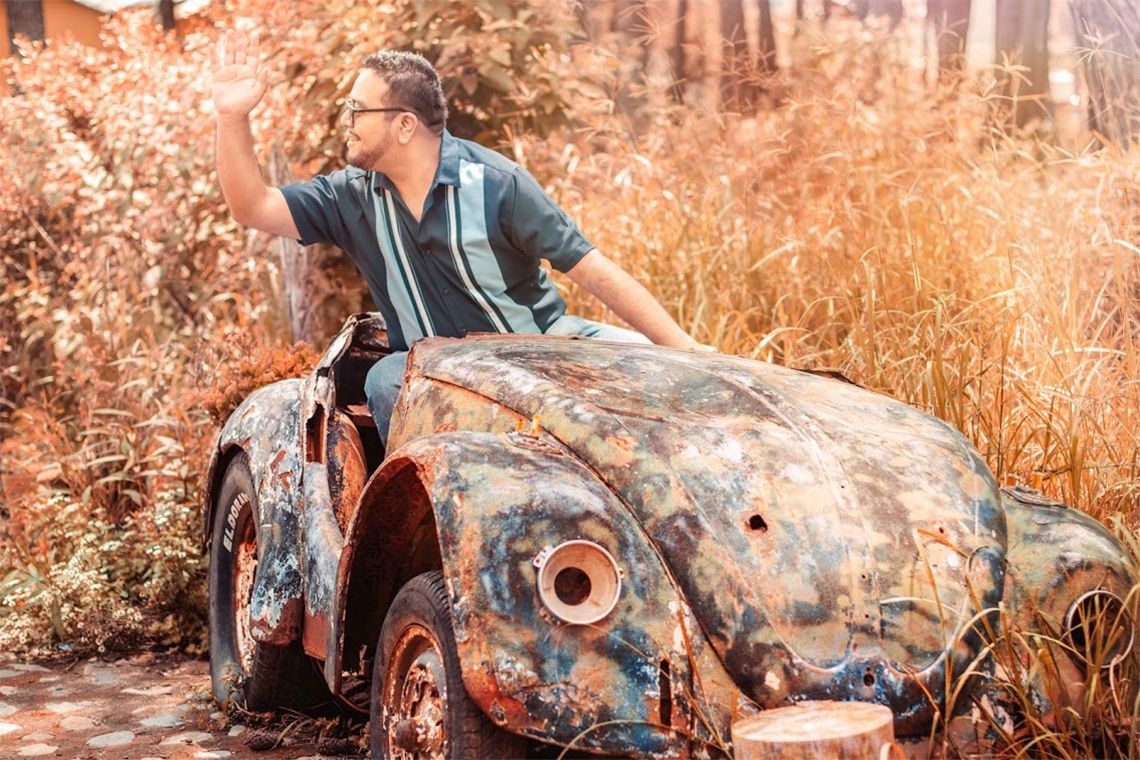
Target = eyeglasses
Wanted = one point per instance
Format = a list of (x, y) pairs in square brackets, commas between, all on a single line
[(352, 111)]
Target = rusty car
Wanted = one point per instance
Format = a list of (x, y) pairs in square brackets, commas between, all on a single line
[(623, 549)]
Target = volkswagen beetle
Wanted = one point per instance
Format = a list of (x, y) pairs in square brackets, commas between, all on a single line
[(623, 549)]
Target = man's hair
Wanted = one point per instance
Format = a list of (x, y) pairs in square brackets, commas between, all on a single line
[(413, 84)]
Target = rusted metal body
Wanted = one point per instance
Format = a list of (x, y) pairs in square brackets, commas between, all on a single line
[(782, 536), (265, 427)]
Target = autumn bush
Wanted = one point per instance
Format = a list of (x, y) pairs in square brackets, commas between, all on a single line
[(134, 314), (873, 223)]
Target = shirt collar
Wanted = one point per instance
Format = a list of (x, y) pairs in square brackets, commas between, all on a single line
[(447, 173)]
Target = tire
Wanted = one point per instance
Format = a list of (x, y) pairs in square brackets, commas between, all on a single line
[(244, 672), (415, 656)]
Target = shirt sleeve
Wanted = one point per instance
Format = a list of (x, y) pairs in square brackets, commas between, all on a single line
[(539, 228), (317, 207)]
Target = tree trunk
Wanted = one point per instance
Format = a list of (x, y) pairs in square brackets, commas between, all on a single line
[(766, 61), (951, 20), (892, 9), (1022, 38), (1109, 33), (164, 14), (829, 8), (677, 55), (294, 262), (25, 19), (734, 64), (630, 21)]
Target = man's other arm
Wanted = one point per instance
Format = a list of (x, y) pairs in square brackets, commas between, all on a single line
[(237, 88), (629, 299)]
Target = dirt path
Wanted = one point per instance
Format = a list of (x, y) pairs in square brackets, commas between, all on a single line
[(145, 706)]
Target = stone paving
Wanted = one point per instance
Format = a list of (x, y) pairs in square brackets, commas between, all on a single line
[(139, 708)]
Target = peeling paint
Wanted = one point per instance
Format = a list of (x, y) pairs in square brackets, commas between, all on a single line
[(265, 428)]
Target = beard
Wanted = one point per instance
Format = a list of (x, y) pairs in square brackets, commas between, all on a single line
[(366, 158)]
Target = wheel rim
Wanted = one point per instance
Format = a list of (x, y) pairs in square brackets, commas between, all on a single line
[(415, 697), (245, 569)]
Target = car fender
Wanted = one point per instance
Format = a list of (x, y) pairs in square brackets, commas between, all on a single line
[(266, 426), (641, 679), (1056, 555)]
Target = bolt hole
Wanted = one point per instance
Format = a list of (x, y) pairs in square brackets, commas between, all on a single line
[(756, 522), (868, 680), (572, 586)]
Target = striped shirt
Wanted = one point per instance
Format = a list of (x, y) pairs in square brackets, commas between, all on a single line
[(472, 262)]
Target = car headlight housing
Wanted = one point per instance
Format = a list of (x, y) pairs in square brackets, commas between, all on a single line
[(578, 581), (1099, 628)]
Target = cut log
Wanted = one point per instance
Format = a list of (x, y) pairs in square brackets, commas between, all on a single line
[(815, 730)]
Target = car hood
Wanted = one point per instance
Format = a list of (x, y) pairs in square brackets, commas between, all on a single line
[(821, 533)]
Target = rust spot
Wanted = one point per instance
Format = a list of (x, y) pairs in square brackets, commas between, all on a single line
[(269, 624), (316, 636), (484, 689), (347, 467), (624, 443)]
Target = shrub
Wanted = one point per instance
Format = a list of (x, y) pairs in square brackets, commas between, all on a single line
[(134, 314)]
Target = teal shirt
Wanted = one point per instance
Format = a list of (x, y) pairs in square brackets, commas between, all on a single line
[(472, 262)]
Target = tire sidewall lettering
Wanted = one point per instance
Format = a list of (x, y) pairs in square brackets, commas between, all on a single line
[(240, 502)]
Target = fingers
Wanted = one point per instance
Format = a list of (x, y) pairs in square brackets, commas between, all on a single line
[(241, 45), (219, 57), (238, 48)]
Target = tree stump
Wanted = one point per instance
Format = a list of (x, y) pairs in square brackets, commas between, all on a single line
[(811, 730)]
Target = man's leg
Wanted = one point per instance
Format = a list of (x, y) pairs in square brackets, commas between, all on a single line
[(381, 387), (570, 325)]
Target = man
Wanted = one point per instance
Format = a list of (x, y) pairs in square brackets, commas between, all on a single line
[(447, 234)]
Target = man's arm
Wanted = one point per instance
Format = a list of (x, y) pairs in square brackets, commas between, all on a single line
[(237, 88), (539, 228), (627, 298)]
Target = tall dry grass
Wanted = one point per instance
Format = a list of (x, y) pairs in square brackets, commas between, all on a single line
[(881, 226), (886, 227)]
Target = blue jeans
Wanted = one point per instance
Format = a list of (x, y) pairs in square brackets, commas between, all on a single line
[(382, 385)]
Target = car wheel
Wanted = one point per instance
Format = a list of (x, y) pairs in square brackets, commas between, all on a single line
[(243, 671), (420, 707)]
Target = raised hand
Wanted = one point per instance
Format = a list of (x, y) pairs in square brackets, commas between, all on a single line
[(237, 84)]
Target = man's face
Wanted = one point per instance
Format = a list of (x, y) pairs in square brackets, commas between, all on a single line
[(371, 143)]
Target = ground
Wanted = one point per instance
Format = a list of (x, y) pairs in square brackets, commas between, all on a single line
[(144, 706)]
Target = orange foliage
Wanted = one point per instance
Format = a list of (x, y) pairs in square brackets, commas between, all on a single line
[(134, 313), (235, 380)]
